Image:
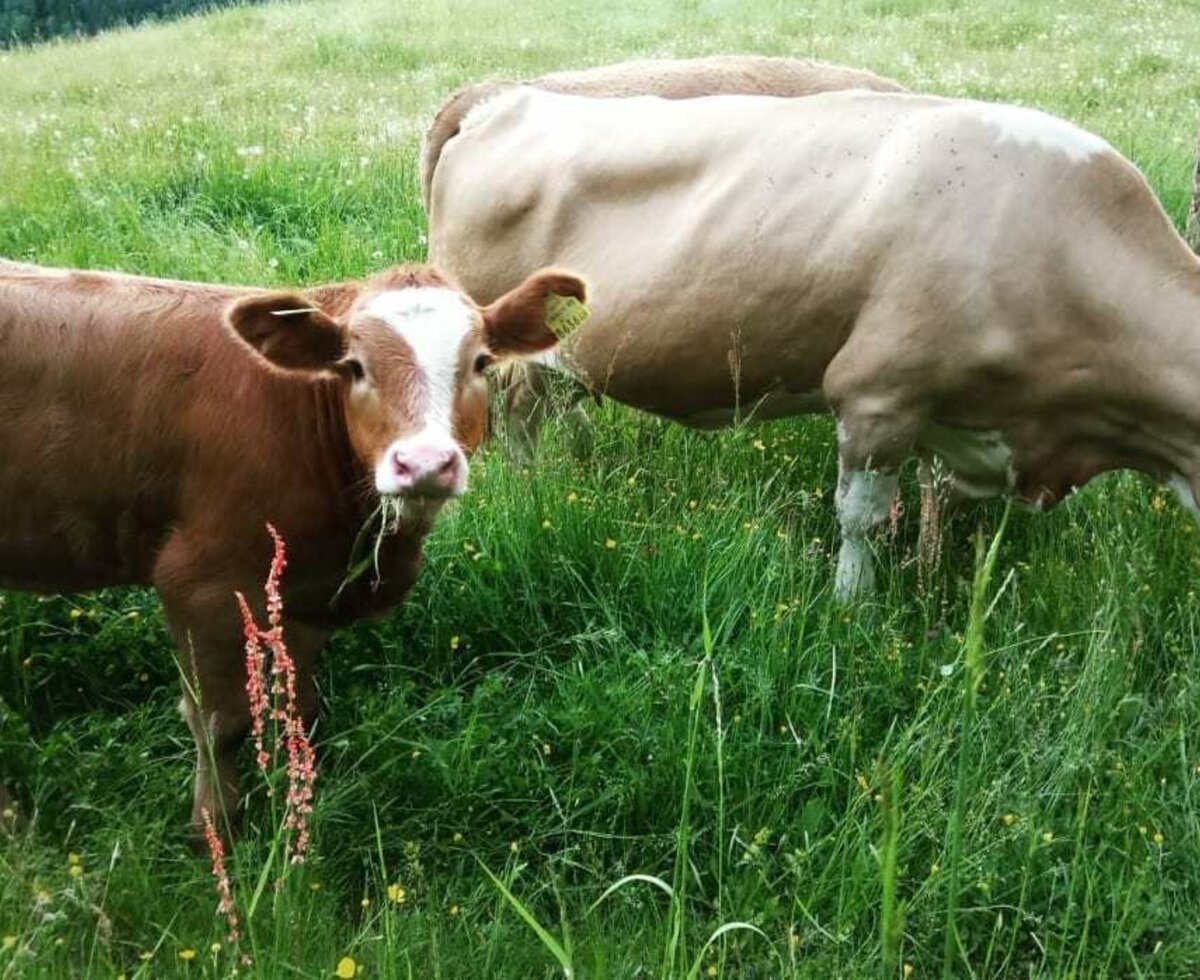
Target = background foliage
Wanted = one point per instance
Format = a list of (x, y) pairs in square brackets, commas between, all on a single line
[(25, 21)]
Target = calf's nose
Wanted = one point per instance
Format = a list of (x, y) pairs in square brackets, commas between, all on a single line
[(430, 470)]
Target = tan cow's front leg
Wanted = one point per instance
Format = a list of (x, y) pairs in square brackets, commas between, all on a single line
[(864, 501), (874, 437)]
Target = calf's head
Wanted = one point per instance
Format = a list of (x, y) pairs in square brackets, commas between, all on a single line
[(410, 351)]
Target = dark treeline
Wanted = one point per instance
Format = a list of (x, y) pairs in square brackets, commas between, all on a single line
[(27, 21)]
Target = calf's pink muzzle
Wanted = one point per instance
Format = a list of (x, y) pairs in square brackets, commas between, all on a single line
[(424, 468)]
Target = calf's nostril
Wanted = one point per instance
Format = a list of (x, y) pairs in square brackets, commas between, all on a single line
[(400, 466), (447, 464)]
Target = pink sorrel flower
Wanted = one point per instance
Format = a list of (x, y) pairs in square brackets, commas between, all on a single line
[(216, 848), (280, 704)]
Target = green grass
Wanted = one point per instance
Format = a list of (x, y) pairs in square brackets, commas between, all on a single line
[(686, 705)]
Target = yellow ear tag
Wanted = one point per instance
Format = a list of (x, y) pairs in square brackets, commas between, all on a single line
[(565, 315)]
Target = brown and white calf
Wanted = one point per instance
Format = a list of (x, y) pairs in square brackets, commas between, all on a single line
[(149, 429), (527, 386), (980, 284)]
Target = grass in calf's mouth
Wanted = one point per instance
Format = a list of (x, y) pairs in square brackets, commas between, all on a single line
[(364, 553)]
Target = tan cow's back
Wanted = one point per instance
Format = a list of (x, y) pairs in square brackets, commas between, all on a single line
[(667, 78)]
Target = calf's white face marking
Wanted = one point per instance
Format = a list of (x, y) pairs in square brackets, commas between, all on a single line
[(433, 321)]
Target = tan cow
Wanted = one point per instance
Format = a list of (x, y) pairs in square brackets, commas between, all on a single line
[(527, 387), (982, 284), (149, 430)]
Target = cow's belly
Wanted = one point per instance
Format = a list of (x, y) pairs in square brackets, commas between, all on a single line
[(60, 542), (776, 403), (75, 556)]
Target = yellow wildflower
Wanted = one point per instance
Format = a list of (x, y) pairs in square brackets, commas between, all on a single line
[(10, 942), (609, 543), (75, 870), (346, 968), (187, 955), (455, 641), (396, 893), (1009, 819)]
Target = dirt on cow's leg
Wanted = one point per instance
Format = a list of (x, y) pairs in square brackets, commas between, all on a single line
[(864, 501), (875, 435)]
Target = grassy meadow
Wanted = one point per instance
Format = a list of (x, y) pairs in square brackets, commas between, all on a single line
[(626, 663)]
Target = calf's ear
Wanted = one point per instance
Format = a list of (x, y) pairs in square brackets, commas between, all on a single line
[(536, 315), (287, 331)]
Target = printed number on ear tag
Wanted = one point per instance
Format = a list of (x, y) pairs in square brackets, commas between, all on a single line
[(565, 315)]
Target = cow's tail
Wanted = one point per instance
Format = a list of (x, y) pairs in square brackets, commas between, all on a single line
[(446, 125)]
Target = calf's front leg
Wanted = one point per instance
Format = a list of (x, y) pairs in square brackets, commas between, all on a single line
[(205, 623), (214, 704)]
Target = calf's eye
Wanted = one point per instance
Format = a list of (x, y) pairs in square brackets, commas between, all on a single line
[(483, 362), (353, 367)]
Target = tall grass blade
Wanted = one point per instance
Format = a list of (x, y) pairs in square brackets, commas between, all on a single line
[(552, 944), (973, 662)]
